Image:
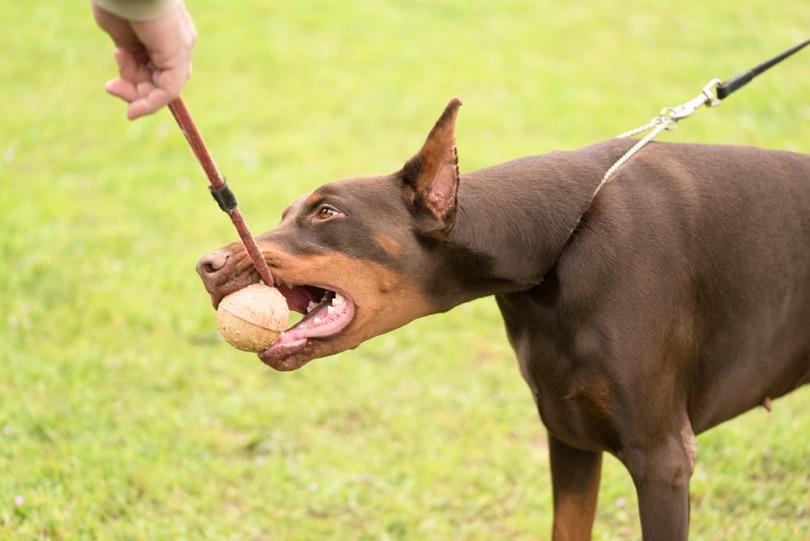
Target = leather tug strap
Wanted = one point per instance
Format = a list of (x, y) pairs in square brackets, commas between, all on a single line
[(220, 190)]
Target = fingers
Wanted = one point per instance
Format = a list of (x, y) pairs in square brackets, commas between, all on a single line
[(169, 41), (130, 74), (153, 58), (143, 86), (154, 99), (144, 98)]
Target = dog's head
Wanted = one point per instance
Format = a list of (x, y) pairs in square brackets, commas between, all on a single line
[(357, 256)]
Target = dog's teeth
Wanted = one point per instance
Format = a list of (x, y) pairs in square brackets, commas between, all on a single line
[(330, 309), (312, 306), (339, 299), (325, 297)]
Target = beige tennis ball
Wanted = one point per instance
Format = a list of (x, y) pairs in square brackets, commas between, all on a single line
[(252, 318)]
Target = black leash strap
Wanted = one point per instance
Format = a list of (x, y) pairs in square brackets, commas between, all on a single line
[(738, 81)]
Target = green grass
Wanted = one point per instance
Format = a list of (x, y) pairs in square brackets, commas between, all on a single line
[(123, 416)]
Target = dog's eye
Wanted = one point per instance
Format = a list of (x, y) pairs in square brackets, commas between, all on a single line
[(325, 213)]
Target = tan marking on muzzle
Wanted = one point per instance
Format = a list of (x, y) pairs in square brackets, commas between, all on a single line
[(384, 299)]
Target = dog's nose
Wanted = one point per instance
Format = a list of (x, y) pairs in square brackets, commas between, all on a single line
[(211, 264)]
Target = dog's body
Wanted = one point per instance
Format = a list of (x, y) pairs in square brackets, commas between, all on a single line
[(681, 299)]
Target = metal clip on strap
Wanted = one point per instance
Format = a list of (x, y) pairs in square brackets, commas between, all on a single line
[(667, 119), (711, 96), (706, 97)]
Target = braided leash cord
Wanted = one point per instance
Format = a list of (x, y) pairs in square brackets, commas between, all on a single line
[(667, 119), (219, 188), (657, 125)]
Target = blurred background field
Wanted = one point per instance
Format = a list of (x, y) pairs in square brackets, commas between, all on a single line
[(124, 416)]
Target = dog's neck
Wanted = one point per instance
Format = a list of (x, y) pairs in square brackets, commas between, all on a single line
[(518, 216)]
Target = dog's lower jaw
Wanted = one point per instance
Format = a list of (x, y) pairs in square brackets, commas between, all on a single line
[(288, 358)]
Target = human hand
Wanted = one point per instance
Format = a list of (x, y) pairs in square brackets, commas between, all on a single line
[(153, 58)]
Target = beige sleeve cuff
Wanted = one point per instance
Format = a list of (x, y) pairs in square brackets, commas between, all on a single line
[(138, 10)]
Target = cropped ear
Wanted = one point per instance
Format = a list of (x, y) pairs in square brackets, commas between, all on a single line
[(431, 177)]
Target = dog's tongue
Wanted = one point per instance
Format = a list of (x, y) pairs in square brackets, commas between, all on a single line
[(324, 319)]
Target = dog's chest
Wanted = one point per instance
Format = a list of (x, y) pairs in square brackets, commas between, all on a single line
[(575, 397)]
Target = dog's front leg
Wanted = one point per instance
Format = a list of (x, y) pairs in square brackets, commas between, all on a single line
[(661, 475), (575, 478)]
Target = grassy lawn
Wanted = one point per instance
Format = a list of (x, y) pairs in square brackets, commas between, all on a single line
[(124, 416)]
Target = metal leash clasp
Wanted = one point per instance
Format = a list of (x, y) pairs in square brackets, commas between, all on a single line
[(671, 115), (711, 96), (667, 119)]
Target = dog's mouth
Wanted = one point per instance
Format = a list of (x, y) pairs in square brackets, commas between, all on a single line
[(326, 313)]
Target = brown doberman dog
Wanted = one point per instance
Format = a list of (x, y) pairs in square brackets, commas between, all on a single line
[(681, 298)]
